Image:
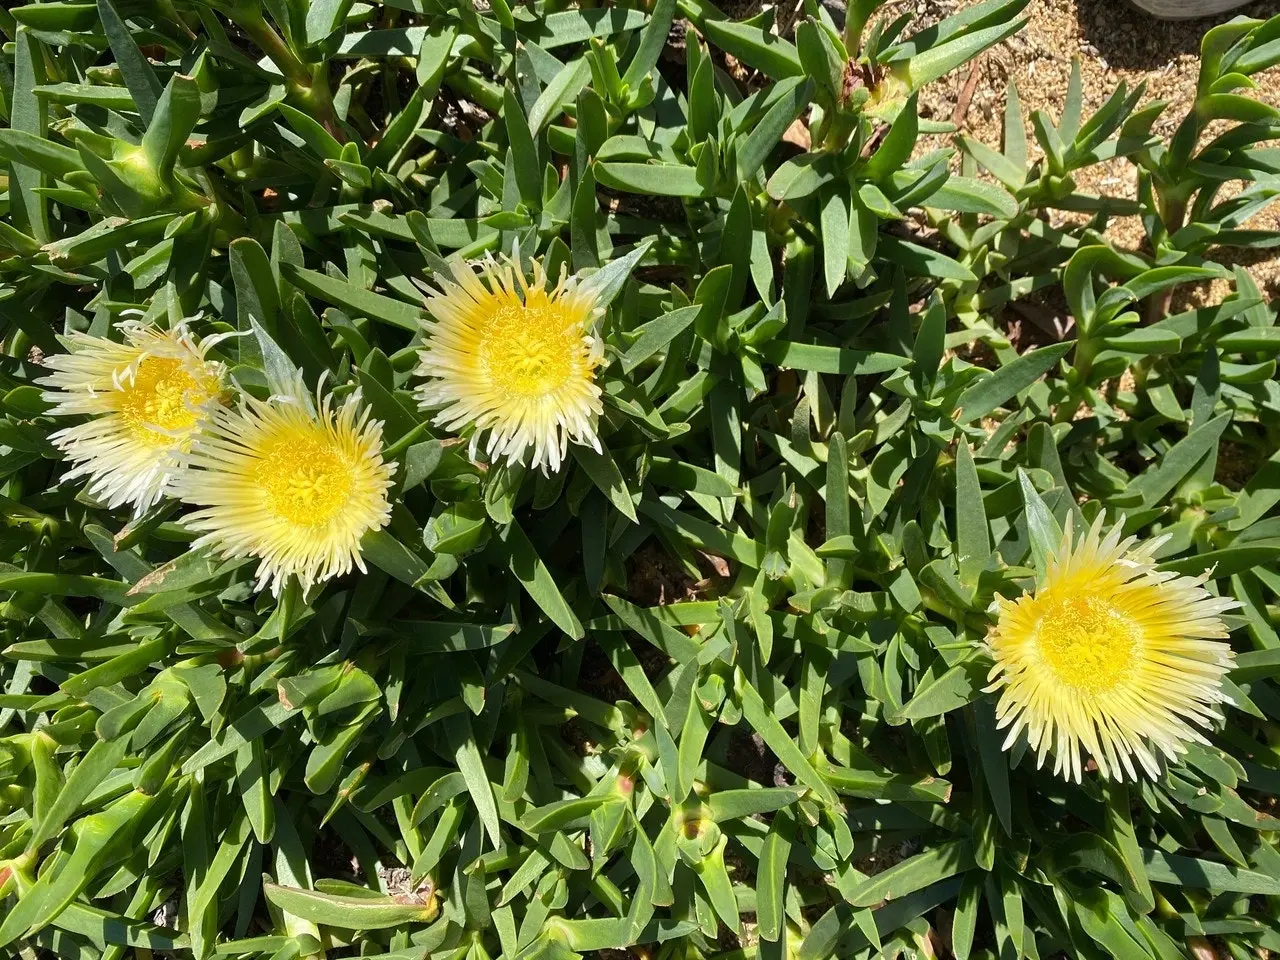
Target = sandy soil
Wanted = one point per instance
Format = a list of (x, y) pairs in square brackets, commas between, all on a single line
[(1114, 42)]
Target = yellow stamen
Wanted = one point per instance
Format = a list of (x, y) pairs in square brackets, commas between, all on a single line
[(1111, 658), (512, 358), (293, 483), (528, 349), (161, 400), (145, 396), (1088, 643), (305, 475)]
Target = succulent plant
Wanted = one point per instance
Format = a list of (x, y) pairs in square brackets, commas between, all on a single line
[(583, 498)]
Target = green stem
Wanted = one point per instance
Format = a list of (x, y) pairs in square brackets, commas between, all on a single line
[(318, 100), (932, 602), (1173, 211), (855, 20), (273, 45), (308, 86), (1086, 349), (169, 10), (476, 89), (840, 131), (1081, 368)]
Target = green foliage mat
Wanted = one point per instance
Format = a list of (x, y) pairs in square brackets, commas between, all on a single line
[(715, 690)]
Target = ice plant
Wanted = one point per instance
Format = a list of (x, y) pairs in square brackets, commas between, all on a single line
[(296, 488), (506, 355), (146, 397), (813, 402), (1110, 655)]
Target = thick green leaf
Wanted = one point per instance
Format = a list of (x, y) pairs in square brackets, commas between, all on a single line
[(661, 179), (358, 301), (347, 912), (990, 392), (915, 873), (537, 581), (756, 46)]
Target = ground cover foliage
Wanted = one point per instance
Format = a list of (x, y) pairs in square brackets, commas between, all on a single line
[(717, 688)]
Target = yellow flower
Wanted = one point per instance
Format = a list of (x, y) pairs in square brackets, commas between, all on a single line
[(1109, 654), (509, 356), (295, 488), (146, 396)]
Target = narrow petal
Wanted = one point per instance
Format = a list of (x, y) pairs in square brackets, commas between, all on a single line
[(1110, 659), (146, 398), (505, 356), (294, 489)]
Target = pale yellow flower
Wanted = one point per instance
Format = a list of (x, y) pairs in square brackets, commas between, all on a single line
[(293, 487), (508, 356), (1110, 655), (146, 398)]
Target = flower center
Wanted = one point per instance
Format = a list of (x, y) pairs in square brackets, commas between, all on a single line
[(306, 477), (1087, 643), (529, 349), (159, 405)]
